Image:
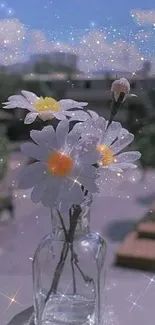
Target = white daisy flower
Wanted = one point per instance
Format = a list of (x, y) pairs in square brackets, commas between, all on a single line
[(46, 108), (111, 142), (90, 125), (119, 86), (61, 167)]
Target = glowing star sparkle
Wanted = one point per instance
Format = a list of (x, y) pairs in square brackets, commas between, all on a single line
[(11, 299), (46, 108), (151, 281), (134, 303)]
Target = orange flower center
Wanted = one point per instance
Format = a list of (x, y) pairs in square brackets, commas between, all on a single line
[(59, 164), (107, 155)]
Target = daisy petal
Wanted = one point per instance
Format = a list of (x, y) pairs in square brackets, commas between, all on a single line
[(30, 118), (70, 194), (89, 171), (9, 105), (59, 116), (90, 157), (126, 165), (111, 133), (46, 136), (70, 103), (115, 168), (101, 123), (100, 127), (51, 193), (122, 143), (77, 115), (72, 139), (38, 191), (131, 95), (31, 97), (86, 127), (62, 132), (45, 116), (18, 101), (93, 127), (31, 175), (78, 127), (123, 132), (128, 156), (82, 104), (34, 151), (93, 114), (64, 207), (84, 172), (15, 98), (88, 182)]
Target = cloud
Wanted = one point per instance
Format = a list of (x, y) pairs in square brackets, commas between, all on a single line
[(94, 50), (12, 34), (97, 53), (38, 43), (142, 35), (144, 17)]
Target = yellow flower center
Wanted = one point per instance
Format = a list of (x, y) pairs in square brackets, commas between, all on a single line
[(107, 155), (47, 104), (59, 164)]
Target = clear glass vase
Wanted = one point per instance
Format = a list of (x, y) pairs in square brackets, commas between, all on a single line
[(68, 271)]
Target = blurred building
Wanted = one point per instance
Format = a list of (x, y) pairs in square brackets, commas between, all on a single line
[(57, 58), (46, 62), (19, 68), (145, 71)]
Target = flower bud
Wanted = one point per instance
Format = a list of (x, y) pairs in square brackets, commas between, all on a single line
[(120, 89)]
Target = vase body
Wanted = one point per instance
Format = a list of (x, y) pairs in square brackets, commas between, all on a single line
[(68, 274)]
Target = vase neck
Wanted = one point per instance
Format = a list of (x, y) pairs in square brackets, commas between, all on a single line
[(77, 221)]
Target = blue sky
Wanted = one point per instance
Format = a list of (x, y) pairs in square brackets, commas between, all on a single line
[(49, 25), (53, 15)]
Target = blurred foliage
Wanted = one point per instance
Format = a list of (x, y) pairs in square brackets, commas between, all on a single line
[(145, 143), (9, 85), (4, 155), (13, 83)]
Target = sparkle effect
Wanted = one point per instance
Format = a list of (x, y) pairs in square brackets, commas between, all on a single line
[(151, 281), (134, 303), (11, 299)]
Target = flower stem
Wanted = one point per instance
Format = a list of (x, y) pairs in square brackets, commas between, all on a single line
[(58, 271), (85, 277), (69, 237), (73, 270), (115, 106), (73, 223)]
